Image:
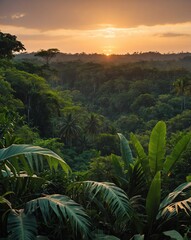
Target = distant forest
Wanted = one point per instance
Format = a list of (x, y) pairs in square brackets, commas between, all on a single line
[(93, 146), (183, 58)]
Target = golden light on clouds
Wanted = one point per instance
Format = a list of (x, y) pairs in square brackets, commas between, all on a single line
[(107, 38), (102, 26)]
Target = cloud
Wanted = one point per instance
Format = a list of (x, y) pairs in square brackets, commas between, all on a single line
[(86, 14), (106, 38), (18, 15), (173, 34)]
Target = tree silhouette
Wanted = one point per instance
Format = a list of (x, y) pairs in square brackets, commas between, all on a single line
[(47, 55), (9, 45)]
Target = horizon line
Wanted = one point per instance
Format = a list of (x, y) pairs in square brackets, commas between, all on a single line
[(112, 54)]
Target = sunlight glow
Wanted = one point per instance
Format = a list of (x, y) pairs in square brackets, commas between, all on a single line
[(108, 50), (107, 39)]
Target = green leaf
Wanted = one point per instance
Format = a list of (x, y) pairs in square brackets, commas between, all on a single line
[(22, 183), (157, 147), (125, 151), (173, 234), (138, 237), (173, 195), (142, 156), (137, 182), (153, 198), (176, 154), (21, 226), (64, 208), (116, 199), (169, 207), (29, 158)]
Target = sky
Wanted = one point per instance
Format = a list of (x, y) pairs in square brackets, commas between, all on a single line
[(99, 26)]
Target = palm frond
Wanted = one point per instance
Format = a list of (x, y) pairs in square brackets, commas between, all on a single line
[(64, 209), (22, 183), (137, 180), (180, 206), (30, 158), (115, 198), (21, 226), (170, 207)]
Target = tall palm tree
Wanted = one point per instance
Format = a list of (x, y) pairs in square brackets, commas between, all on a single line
[(183, 88), (70, 129), (93, 125)]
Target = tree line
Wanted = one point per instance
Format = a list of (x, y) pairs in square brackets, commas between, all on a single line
[(93, 183)]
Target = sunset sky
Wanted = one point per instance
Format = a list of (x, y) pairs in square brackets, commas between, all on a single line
[(102, 26)]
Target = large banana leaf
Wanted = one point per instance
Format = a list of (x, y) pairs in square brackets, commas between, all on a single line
[(142, 156), (21, 226), (116, 199), (153, 198), (125, 151), (170, 207), (29, 158), (157, 147), (180, 147), (63, 208)]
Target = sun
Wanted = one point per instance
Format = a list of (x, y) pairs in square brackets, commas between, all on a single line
[(108, 50)]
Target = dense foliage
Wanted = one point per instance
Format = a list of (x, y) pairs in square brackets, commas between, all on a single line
[(119, 189)]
